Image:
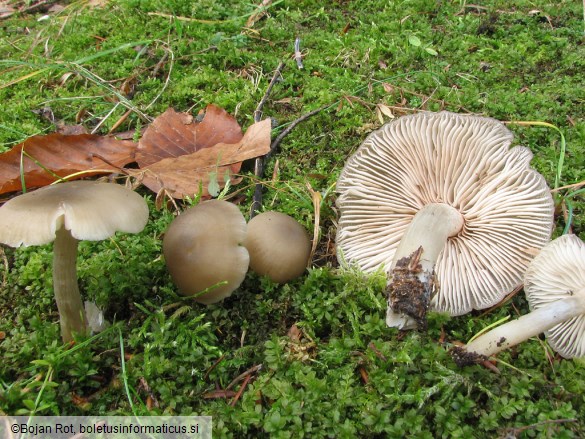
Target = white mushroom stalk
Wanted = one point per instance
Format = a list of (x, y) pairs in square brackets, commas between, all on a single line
[(449, 194), (67, 296), (413, 267), (555, 288)]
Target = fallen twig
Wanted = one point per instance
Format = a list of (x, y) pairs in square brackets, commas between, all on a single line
[(517, 430), (257, 200), (274, 80), (259, 163), (240, 377), (293, 124), (213, 366), (219, 394), (242, 387)]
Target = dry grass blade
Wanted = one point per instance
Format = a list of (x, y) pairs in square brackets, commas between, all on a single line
[(316, 197)]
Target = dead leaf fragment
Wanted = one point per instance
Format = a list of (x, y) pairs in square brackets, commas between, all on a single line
[(46, 158), (184, 175), (173, 134), (6, 9), (261, 11)]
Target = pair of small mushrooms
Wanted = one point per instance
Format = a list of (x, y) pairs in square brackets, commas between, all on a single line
[(65, 214), (209, 248)]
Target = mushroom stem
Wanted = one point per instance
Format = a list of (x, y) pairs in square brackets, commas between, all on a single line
[(519, 330), (69, 303), (412, 275)]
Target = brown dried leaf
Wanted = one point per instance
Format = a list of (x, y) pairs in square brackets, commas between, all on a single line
[(258, 13), (62, 155), (71, 130), (174, 134), (184, 175), (6, 9)]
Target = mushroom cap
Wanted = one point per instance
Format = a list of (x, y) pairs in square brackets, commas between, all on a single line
[(558, 272), (279, 246), (202, 247), (466, 162), (90, 210)]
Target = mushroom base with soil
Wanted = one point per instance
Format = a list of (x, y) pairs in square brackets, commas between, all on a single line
[(413, 276)]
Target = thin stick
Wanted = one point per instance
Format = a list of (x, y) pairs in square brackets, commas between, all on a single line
[(240, 377), (259, 163), (569, 186), (213, 366), (275, 78), (120, 122), (293, 124), (240, 391), (257, 200), (518, 430)]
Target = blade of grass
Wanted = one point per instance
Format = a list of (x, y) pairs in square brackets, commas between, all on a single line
[(124, 374), (487, 328), (57, 65)]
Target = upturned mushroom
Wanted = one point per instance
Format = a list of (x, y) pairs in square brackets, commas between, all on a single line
[(555, 288), (64, 214), (279, 246), (204, 253), (447, 208)]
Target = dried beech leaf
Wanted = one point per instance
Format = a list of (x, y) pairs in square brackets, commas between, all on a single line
[(62, 155), (183, 176), (174, 134), (73, 130)]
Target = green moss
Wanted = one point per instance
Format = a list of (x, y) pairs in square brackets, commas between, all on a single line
[(345, 374)]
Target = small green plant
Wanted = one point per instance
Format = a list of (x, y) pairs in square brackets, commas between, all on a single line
[(415, 41)]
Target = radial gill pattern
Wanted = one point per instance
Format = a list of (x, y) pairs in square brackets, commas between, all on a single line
[(557, 273), (463, 161)]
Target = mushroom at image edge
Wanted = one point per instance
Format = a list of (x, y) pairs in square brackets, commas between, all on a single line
[(443, 203), (554, 284), (66, 213), (279, 246), (203, 251)]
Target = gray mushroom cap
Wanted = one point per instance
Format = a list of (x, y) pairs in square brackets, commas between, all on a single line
[(465, 162), (204, 253), (279, 246), (557, 273), (90, 210)]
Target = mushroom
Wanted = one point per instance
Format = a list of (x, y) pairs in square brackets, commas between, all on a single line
[(203, 251), (279, 246), (66, 213), (441, 202), (554, 284)]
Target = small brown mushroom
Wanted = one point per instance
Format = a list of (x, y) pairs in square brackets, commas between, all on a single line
[(66, 213), (279, 246), (203, 251)]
